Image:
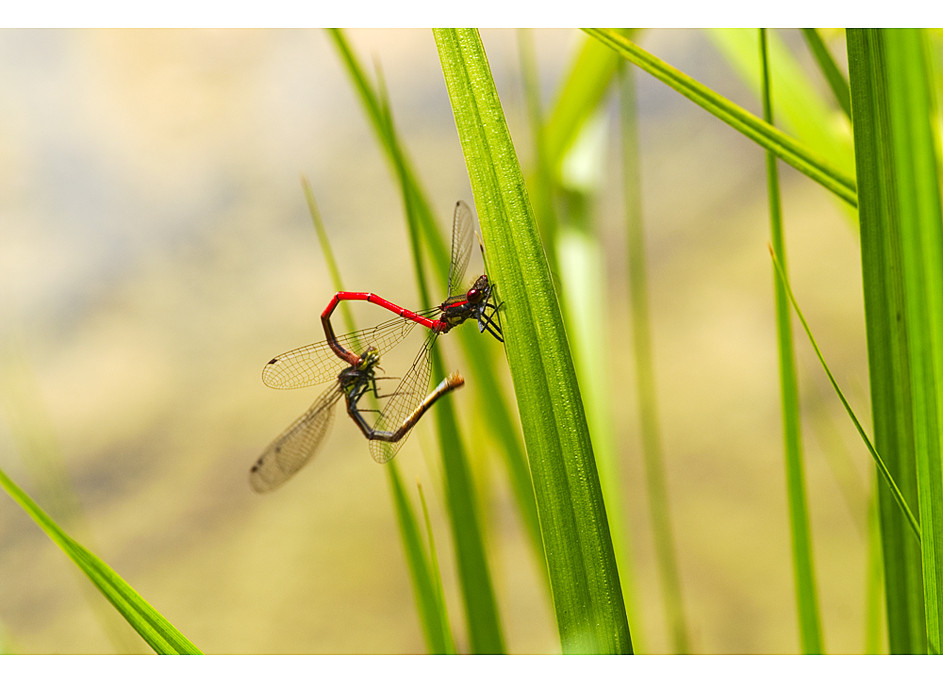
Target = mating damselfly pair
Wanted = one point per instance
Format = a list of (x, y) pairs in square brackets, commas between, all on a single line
[(353, 359)]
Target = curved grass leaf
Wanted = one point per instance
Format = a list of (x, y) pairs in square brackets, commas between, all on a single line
[(883, 470), (153, 627), (774, 140), (584, 580)]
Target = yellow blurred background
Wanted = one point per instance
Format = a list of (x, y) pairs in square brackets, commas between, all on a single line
[(156, 252)]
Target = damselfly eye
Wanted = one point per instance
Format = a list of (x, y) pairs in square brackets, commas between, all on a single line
[(480, 290)]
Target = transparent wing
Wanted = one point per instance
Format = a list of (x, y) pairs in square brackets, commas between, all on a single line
[(296, 445), (463, 228), (411, 391), (316, 363)]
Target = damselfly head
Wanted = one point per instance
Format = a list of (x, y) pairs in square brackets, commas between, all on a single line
[(369, 360), (480, 291)]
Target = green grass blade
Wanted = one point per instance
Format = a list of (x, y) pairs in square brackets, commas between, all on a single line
[(33, 433), (378, 116), (423, 571), (581, 276), (873, 580), (326, 250), (810, 630), (881, 464), (449, 642), (579, 97), (569, 177), (836, 80), (649, 422), (481, 611), (544, 185), (801, 108), (916, 165), (584, 86), (324, 241), (774, 140), (583, 575), (153, 627), (888, 358), (576, 254)]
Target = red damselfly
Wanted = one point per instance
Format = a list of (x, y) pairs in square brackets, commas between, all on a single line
[(473, 303), (298, 444)]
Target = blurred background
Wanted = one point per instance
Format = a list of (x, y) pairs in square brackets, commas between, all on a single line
[(156, 251)]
